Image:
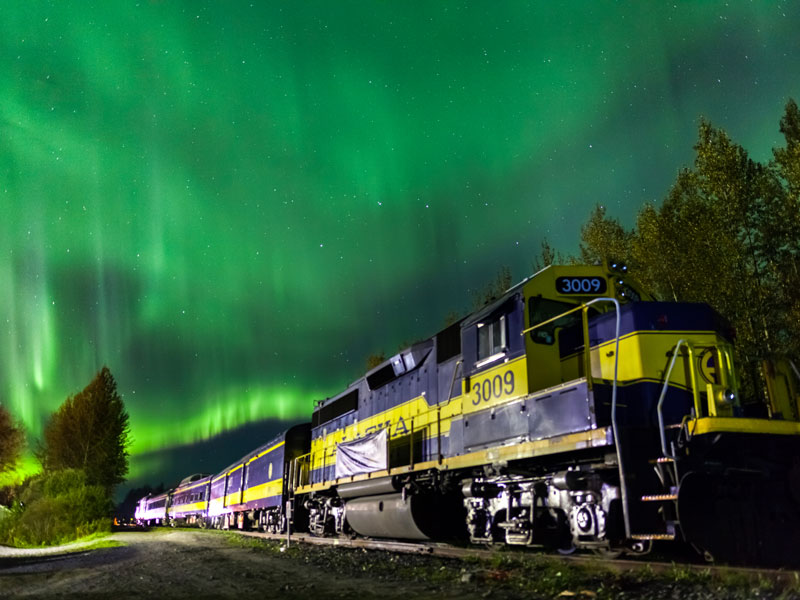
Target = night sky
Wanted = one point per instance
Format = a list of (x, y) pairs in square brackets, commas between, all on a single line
[(232, 204)]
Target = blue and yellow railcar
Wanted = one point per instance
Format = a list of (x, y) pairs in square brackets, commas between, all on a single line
[(252, 491), (189, 501), (152, 509)]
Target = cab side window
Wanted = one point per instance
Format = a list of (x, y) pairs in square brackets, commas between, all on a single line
[(492, 338)]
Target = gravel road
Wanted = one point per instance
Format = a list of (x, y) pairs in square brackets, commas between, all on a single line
[(186, 564)]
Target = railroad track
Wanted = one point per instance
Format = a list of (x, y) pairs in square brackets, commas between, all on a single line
[(450, 551)]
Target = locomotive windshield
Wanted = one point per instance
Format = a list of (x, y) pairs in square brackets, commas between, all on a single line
[(542, 309)]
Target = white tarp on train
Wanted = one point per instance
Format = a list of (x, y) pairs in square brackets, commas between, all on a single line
[(362, 455)]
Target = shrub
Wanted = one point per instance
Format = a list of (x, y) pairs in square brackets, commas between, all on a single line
[(55, 508)]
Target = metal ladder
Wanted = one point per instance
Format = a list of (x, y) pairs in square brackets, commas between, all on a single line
[(666, 469), (666, 465)]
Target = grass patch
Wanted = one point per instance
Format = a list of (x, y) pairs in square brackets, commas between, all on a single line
[(528, 576), (101, 545)]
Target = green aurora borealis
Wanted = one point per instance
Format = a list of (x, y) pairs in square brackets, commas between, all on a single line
[(231, 204)]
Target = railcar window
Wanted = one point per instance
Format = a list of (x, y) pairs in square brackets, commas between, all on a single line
[(491, 337)]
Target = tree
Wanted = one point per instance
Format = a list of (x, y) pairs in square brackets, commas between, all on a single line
[(375, 359), (547, 256), (727, 234), (492, 290), (12, 440), (90, 432), (452, 317), (784, 235), (787, 160), (604, 239)]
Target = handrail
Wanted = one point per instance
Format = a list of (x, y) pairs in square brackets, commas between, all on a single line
[(659, 407), (794, 368), (302, 466), (452, 382), (614, 428), (458, 365)]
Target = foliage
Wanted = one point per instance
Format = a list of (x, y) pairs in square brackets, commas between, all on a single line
[(90, 432), (492, 290), (787, 160), (54, 508), (451, 318), (12, 440), (728, 234), (603, 239), (375, 359), (547, 256)]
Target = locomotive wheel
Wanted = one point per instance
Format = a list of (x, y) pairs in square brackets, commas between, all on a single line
[(567, 550)]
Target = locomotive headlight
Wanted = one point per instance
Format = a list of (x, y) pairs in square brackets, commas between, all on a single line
[(725, 396), (626, 291), (728, 396)]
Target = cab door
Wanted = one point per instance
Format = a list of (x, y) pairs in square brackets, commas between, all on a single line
[(555, 350), (544, 345)]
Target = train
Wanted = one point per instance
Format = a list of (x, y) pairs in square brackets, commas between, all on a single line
[(572, 412)]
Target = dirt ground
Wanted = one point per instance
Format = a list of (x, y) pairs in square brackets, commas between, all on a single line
[(165, 563), (186, 563)]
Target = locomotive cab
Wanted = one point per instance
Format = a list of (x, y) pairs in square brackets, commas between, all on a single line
[(555, 335)]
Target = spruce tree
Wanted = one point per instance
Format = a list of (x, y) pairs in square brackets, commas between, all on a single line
[(90, 432)]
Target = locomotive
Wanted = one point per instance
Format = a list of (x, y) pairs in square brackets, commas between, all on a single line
[(572, 412)]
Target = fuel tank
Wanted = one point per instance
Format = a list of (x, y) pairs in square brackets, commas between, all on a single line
[(419, 516), (389, 516)]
